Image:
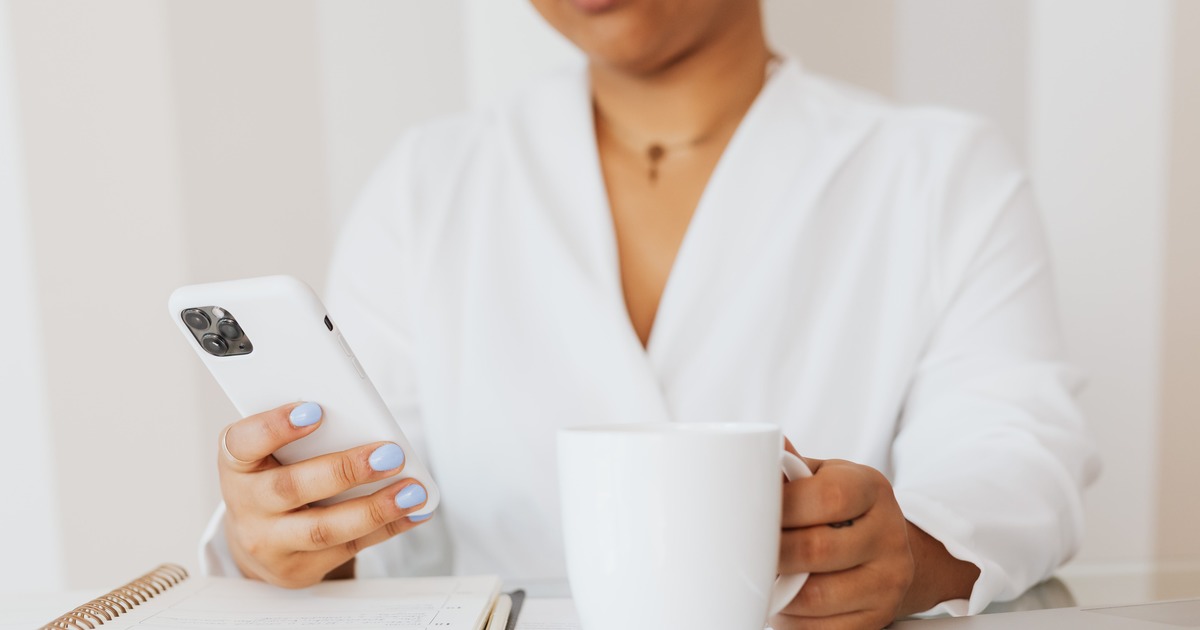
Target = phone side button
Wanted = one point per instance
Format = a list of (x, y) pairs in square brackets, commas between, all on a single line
[(358, 367), (345, 346)]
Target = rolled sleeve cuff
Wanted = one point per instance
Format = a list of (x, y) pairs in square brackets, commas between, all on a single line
[(215, 558), (956, 534)]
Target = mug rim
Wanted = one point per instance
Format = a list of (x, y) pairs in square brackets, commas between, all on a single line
[(673, 428)]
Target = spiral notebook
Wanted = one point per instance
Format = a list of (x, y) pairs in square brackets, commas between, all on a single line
[(167, 599)]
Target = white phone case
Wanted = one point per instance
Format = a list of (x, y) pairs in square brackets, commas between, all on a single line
[(295, 356)]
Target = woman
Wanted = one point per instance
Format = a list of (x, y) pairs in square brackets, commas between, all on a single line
[(871, 278)]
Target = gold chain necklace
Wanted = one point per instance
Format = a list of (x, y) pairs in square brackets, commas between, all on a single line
[(657, 150)]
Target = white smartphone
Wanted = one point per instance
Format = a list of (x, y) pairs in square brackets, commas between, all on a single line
[(269, 341)]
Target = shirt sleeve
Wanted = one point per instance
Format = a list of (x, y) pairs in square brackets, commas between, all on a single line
[(215, 559), (370, 277), (991, 455)]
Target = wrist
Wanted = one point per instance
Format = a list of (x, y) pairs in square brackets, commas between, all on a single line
[(937, 575)]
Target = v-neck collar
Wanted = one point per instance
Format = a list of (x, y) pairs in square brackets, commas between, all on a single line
[(785, 144), (721, 198), (680, 263)]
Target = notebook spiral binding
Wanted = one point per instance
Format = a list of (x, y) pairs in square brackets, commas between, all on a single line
[(121, 600)]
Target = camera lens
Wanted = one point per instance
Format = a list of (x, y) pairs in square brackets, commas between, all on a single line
[(229, 329), (214, 345), (196, 318)]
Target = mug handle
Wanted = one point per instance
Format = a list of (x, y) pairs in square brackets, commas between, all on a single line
[(787, 587)]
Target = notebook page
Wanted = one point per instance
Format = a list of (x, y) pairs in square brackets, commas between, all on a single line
[(449, 603)]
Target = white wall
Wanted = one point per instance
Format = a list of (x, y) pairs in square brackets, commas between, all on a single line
[(366, 109), (30, 546), (507, 43), (1081, 88), (147, 125), (1099, 149), (99, 157), (968, 55)]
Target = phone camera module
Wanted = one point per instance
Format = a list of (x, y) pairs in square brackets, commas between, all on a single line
[(196, 319), (229, 329), (224, 338), (214, 345)]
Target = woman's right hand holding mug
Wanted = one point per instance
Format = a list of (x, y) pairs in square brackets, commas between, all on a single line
[(274, 533)]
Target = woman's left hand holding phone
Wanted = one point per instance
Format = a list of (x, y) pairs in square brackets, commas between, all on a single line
[(274, 533)]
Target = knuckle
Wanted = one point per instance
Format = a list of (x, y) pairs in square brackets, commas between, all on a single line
[(254, 546), (283, 484), (271, 431), (877, 482), (833, 498), (318, 534), (377, 515), (394, 528), (353, 547), (815, 548), (813, 596), (344, 471)]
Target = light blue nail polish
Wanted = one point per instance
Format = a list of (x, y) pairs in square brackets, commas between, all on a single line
[(411, 496), (305, 414), (421, 518), (387, 457)]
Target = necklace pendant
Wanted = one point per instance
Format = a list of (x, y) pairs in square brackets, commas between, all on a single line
[(655, 154)]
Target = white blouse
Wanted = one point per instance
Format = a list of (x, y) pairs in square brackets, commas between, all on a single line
[(872, 278)]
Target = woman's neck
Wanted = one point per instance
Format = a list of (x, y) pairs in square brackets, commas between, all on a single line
[(698, 92)]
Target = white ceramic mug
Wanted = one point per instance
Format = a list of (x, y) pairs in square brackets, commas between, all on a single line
[(675, 525)]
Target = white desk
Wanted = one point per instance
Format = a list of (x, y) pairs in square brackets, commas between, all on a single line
[(1112, 586), (1073, 587)]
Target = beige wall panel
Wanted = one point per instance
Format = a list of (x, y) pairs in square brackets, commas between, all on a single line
[(101, 177), (850, 40), (967, 55), (1179, 498), (256, 198), (1098, 150), (248, 95), (30, 531), (385, 66)]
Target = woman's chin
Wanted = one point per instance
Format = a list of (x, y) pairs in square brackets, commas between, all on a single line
[(630, 36)]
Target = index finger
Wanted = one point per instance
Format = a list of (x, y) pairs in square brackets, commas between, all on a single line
[(247, 443)]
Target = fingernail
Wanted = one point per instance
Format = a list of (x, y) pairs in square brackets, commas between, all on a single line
[(305, 414), (411, 496), (418, 519), (387, 457)]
